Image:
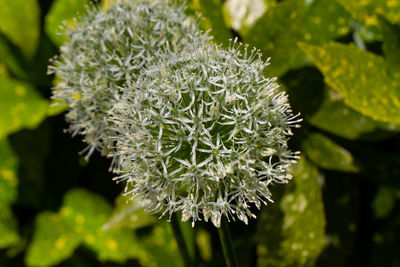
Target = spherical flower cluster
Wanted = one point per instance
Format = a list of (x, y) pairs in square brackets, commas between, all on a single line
[(204, 133), (107, 51), (193, 127)]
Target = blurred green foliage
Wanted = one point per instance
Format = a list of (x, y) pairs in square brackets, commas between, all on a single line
[(339, 60)]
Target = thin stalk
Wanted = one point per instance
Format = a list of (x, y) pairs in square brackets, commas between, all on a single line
[(176, 230), (226, 242)]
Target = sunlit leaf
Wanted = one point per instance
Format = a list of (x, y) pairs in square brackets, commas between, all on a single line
[(20, 106), (291, 231), (8, 169), (53, 241), (279, 30), (87, 213), (335, 117), (62, 11), (8, 227), (129, 213), (327, 154), (366, 11), (20, 22), (360, 77)]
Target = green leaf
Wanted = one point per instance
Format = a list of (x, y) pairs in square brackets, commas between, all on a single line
[(20, 106), (20, 22), (327, 154), (8, 169), (60, 11), (366, 11), (356, 75), (291, 232), (391, 43), (212, 18), (7, 57), (53, 241), (8, 227), (384, 201), (159, 248), (87, 213), (129, 213), (289, 22), (203, 242), (335, 117)]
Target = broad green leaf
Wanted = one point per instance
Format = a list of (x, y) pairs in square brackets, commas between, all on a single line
[(279, 30), (327, 154), (87, 213), (391, 44), (366, 11), (129, 213), (212, 18), (360, 77), (335, 117), (291, 232), (53, 241), (20, 106), (62, 11), (20, 22), (8, 227), (8, 169), (159, 248)]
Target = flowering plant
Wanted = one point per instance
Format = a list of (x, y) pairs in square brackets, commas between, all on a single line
[(204, 132)]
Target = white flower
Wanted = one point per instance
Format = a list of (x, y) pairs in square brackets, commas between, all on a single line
[(105, 54), (205, 132)]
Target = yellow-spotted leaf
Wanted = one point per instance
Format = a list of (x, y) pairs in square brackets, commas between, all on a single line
[(8, 169), (53, 241), (62, 11), (87, 212), (279, 30), (335, 117), (129, 213), (327, 154), (291, 231), (360, 77), (366, 11), (20, 106), (20, 22)]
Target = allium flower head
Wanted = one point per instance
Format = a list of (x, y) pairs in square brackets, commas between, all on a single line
[(106, 52), (204, 132)]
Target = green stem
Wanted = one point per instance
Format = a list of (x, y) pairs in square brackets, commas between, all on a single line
[(176, 229), (226, 242)]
